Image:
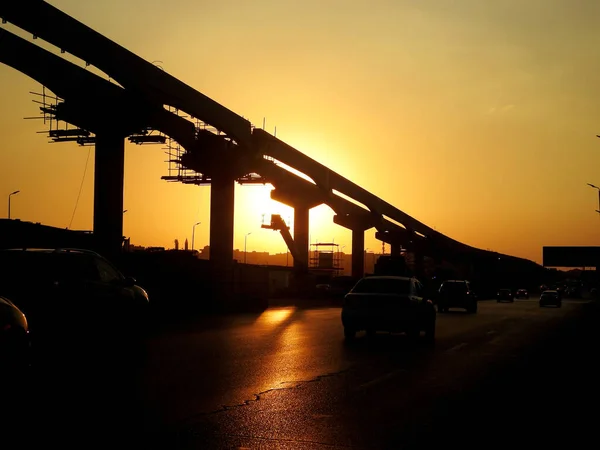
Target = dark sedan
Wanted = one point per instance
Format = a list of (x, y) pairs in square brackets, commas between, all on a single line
[(14, 338), (456, 294), (390, 304), (505, 295), (550, 298), (522, 293), (74, 300)]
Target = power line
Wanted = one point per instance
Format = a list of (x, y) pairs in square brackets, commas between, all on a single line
[(81, 186)]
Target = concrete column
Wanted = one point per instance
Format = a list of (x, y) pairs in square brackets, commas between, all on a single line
[(301, 230), (419, 264), (222, 202), (358, 253), (109, 161), (395, 249)]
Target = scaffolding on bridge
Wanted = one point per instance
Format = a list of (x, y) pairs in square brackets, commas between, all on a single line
[(58, 130), (177, 172), (325, 259), (61, 131)]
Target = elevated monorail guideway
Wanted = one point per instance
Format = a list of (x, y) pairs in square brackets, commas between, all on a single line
[(129, 70)]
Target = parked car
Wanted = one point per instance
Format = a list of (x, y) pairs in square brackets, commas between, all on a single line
[(504, 295), (73, 299), (550, 298), (456, 294), (391, 304), (522, 293), (14, 339)]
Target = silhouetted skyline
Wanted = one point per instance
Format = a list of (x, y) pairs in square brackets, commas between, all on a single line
[(455, 115)]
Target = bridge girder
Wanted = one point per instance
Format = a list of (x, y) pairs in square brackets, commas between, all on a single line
[(329, 180), (145, 82), (129, 70)]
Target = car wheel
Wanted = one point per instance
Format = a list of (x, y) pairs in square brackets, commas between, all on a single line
[(349, 333)]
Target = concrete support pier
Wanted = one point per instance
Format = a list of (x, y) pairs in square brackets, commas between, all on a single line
[(358, 253), (301, 236), (109, 159), (395, 248), (302, 200), (358, 224), (222, 203)]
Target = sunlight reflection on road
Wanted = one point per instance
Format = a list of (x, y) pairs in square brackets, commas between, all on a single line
[(275, 316), (290, 351)]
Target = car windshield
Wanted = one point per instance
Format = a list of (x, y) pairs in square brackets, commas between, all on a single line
[(382, 286)]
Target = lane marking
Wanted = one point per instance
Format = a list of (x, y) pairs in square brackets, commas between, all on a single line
[(381, 379), (457, 347), (496, 340)]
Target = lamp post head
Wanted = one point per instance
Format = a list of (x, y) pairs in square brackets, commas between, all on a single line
[(591, 185), (13, 193), (198, 223)]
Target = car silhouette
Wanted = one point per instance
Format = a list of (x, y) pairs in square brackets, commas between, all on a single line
[(504, 295), (522, 293), (550, 298), (456, 294), (14, 339), (390, 304), (74, 300)]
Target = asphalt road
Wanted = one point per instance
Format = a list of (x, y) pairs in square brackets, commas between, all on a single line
[(286, 379)]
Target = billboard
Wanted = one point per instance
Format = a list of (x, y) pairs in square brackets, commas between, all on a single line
[(571, 256)]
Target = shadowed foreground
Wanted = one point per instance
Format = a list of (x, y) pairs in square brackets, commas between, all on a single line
[(512, 375)]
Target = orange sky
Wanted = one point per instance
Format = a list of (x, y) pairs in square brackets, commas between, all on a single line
[(476, 118)]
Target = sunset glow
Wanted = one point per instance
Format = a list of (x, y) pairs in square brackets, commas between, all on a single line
[(477, 118)]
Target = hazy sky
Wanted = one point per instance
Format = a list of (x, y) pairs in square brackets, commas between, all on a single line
[(475, 117)]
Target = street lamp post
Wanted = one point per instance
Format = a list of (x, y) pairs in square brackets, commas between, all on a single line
[(9, 196), (245, 245), (598, 188), (193, 232)]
